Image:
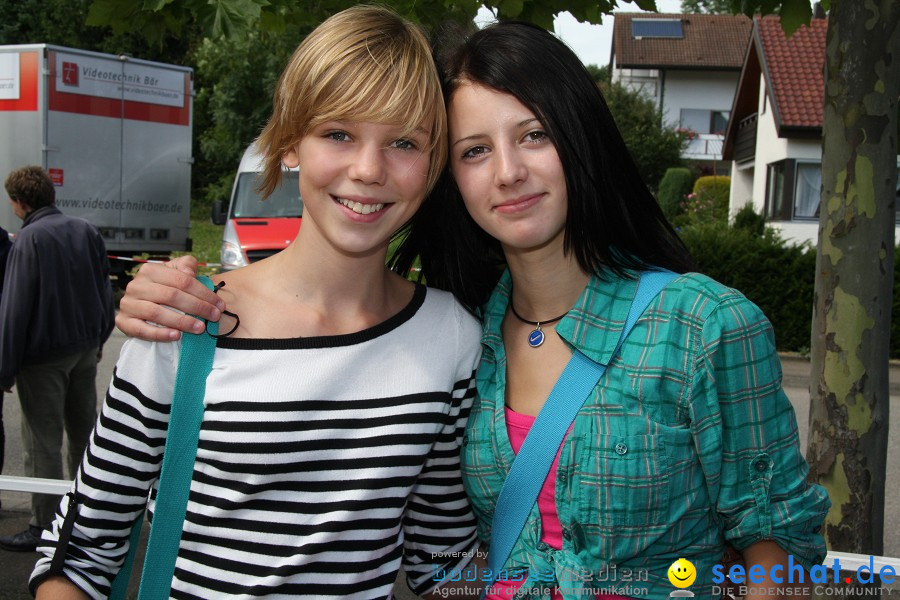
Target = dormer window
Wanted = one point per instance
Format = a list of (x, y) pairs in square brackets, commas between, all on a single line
[(656, 28)]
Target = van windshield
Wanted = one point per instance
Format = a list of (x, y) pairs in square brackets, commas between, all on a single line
[(284, 202)]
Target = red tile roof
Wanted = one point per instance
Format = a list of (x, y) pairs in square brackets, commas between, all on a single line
[(709, 42), (795, 70)]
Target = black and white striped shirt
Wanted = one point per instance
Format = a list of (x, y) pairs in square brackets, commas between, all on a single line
[(322, 464)]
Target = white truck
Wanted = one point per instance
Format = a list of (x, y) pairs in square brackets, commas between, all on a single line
[(114, 132)]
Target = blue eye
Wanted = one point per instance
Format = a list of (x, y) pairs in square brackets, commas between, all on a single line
[(405, 144), (338, 136)]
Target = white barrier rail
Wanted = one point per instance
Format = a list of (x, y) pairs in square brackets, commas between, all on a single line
[(852, 562), (34, 485)]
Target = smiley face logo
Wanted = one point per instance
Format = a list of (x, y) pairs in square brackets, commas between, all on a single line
[(682, 573)]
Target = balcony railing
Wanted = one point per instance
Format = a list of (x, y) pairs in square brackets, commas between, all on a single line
[(745, 142), (704, 146)]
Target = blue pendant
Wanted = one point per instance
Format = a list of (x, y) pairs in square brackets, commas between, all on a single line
[(536, 337)]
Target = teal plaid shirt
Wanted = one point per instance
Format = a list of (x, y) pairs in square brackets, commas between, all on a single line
[(687, 442)]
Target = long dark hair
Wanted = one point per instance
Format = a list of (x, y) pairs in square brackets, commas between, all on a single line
[(613, 222)]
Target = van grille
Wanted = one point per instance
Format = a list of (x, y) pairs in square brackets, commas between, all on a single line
[(255, 255)]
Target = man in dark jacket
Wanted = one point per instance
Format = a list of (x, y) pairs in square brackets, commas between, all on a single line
[(5, 245), (55, 314)]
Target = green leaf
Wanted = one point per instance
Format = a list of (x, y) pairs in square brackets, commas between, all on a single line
[(647, 5), (109, 12), (232, 18), (794, 13), (154, 5), (271, 22), (510, 9), (538, 14), (468, 6), (594, 15)]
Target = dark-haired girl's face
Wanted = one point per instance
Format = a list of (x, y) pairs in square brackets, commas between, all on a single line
[(507, 169)]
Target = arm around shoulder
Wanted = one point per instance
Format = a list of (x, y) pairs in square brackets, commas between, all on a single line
[(158, 288)]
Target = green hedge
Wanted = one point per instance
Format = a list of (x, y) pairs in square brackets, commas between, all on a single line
[(676, 184), (709, 200), (777, 276), (749, 220)]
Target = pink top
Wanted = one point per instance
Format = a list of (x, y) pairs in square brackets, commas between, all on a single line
[(517, 427)]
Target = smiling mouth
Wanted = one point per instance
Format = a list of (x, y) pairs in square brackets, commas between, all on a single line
[(686, 577), (359, 207), (518, 204)]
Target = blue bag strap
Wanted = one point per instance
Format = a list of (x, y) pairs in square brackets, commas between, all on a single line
[(194, 364), (532, 463), (120, 583)]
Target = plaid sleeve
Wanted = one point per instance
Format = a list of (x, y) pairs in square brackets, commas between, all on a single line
[(751, 452)]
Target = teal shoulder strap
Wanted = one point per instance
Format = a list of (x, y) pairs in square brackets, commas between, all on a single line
[(194, 364), (532, 463)]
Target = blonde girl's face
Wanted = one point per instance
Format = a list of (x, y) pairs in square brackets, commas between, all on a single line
[(506, 168), (360, 181)]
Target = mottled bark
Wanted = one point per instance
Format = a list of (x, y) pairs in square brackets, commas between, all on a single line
[(847, 448)]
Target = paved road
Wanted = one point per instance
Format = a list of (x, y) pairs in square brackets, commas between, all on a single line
[(15, 567)]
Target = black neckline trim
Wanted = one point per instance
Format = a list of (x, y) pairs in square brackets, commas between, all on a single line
[(329, 341)]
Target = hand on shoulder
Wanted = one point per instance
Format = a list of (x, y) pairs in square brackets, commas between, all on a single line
[(156, 289)]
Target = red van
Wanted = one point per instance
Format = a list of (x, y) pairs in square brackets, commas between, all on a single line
[(257, 228)]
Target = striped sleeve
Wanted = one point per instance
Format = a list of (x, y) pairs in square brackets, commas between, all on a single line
[(439, 527), (120, 467)]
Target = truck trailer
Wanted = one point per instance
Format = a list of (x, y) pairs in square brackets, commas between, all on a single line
[(113, 132)]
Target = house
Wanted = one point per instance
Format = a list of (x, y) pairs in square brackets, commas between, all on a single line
[(689, 64), (775, 136)]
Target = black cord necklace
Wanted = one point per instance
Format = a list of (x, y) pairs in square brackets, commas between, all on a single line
[(536, 337)]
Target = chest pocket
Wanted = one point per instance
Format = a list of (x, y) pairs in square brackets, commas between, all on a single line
[(622, 480)]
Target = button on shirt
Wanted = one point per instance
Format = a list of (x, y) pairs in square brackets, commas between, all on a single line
[(687, 442)]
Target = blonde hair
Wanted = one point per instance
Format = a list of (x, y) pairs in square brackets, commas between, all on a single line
[(365, 63)]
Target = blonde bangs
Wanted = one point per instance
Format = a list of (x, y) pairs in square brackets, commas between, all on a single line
[(392, 92), (364, 64)]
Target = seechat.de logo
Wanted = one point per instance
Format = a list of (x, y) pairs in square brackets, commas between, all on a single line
[(794, 573)]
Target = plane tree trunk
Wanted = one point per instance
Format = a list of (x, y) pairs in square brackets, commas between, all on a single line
[(848, 433)]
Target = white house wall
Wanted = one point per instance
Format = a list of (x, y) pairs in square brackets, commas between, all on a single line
[(711, 90), (769, 148), (645, 81), (748, 179), (741, 187)]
